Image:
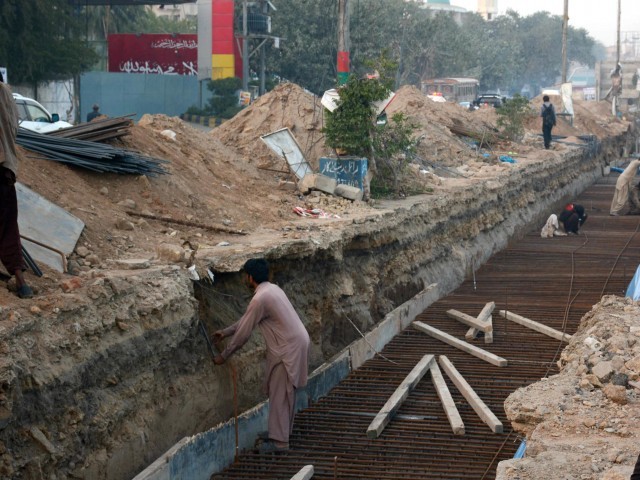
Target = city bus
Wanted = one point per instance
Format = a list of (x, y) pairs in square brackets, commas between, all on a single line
[(452, 89)]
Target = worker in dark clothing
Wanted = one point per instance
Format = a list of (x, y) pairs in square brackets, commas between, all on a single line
[(10, 246), (95, 113), (573, 217)]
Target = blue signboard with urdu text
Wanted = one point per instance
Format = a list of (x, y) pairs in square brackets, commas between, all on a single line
[(346, 171)]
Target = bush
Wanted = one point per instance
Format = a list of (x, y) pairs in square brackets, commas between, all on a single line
[(511, 117)]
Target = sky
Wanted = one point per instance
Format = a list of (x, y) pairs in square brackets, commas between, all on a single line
[(598, 17)]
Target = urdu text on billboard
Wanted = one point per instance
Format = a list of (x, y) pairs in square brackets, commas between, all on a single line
[(162, 54)]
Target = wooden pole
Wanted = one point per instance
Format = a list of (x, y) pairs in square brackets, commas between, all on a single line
[(618, 44), (565, 28), (343, 42)]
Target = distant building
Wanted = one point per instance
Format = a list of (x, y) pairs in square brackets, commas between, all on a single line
[(488, 9), (436, 6), (177, 11)]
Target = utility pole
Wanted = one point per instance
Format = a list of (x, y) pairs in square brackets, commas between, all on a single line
[(565, 28), (618, 46), (343, 41), (245, 48)]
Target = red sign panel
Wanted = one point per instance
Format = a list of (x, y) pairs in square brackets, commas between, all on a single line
[(159, 53)]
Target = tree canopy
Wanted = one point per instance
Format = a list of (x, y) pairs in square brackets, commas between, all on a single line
[(506, 53), (42, 40)]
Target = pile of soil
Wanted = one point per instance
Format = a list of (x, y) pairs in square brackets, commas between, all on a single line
[(584, 421), (227, 182)]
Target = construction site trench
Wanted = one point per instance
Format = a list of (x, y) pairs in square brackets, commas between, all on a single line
[(102, 379)]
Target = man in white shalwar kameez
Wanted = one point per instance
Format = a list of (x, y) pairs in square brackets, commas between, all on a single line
[(287, 343), (623, 184)]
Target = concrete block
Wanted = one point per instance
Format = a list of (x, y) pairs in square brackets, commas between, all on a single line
[(349, 192), (286, 185), (325, 184), (307, 183)]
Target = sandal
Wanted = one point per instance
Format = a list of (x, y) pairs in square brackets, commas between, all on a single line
[(24, 291)]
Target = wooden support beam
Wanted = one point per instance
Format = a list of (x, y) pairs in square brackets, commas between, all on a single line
[(470, 321), (483, 317), (390, 408), (533, 325), (472, 397), (461, 345), (304, 474), (448, 403)]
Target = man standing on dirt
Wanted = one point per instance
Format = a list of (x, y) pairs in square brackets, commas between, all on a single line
[(10, 246), (623, 184), (548, 114), (287, 344)]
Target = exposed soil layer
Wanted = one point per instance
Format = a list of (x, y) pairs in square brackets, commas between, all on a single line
[(106, 368)]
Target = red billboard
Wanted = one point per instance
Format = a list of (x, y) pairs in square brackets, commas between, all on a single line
[(156, 53)]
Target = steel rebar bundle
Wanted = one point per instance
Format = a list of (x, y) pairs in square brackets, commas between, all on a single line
[(98, 130), (93, 156)]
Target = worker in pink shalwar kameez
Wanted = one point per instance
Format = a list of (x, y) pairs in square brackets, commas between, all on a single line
[(287, 344)]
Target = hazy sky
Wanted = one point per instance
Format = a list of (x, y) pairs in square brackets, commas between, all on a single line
[(598, 17)]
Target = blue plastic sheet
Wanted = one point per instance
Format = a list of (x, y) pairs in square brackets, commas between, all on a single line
[(507, 159), (633, 291)]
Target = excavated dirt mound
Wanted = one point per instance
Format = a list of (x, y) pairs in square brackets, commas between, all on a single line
[(287, 106), (583, 422), (229, 181)]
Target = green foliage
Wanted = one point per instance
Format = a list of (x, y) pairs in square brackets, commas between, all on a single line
[(349, 127), (352, 127), (42, 40), (392, 145), (511, 117), (224, 102), (507, 52)]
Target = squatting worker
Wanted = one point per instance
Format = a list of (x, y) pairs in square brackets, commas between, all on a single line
[(287, 344), (10, 246), (623, 184), (573, 217)]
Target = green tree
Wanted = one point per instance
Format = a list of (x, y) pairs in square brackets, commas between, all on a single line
[(511, 117), (224, 102), (42, 40)]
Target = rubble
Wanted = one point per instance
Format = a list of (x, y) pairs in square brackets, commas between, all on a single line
[(584, 421)]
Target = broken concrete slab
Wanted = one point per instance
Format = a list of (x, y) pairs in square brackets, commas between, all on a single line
[(48, 224), (349, 192), (325, 184)]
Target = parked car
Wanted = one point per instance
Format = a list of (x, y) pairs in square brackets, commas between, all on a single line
[(494, 99), (35, 117)]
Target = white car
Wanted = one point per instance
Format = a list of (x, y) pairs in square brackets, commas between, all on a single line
[(35, 117)]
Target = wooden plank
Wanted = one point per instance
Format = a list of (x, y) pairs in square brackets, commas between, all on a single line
[(448, 403), (472, 397), (471, 334), (469, 320), (533, 325), (390, 408), (305, 474), (482, 323), (461, 345)]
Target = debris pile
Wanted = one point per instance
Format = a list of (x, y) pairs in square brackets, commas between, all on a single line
[(585, 419)]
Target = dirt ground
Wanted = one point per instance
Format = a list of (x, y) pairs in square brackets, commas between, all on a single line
[(224, 181), (225, 185)]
